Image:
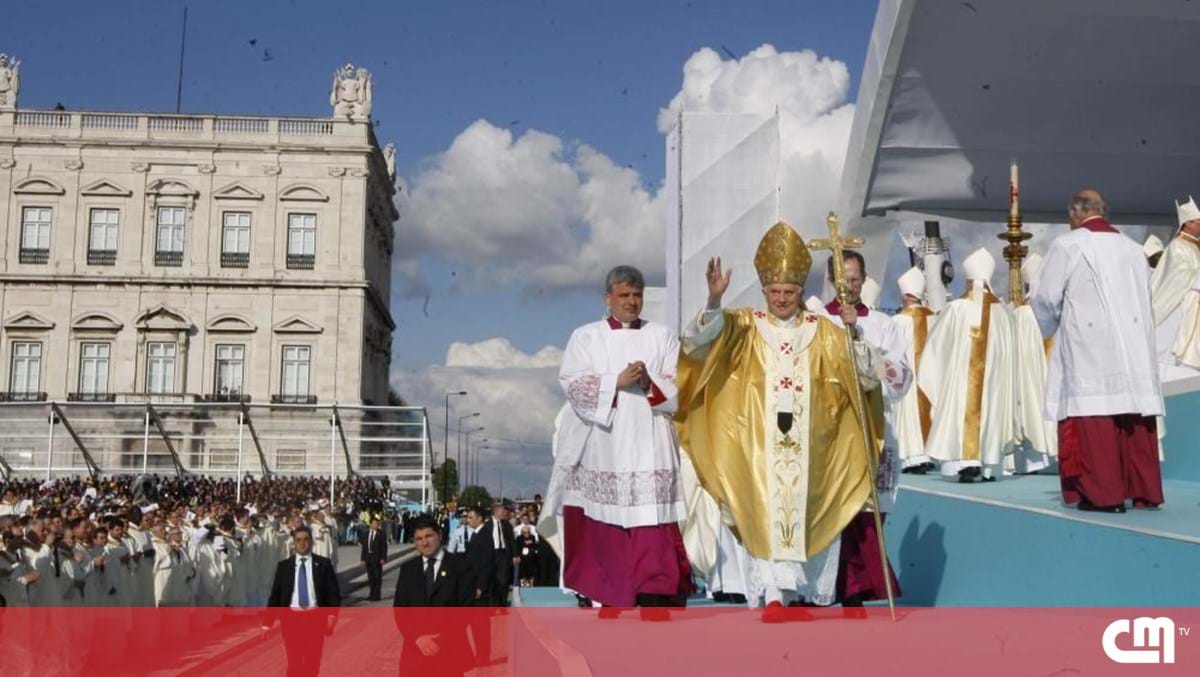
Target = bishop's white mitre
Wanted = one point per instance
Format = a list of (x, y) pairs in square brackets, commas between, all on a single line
[(1188, 211), (912, 283), (979, 266), (871, 291)]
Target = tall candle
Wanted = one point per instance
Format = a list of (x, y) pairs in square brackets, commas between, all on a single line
[(1014, 192)]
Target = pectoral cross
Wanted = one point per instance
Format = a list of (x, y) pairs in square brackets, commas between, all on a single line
[(837, 244)]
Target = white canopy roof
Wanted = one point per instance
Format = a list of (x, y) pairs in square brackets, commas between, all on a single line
[(1081, 93)]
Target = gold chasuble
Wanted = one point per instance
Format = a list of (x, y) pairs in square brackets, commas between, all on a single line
[(766, 414)]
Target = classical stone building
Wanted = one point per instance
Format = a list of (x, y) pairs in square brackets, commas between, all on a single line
[(173, 286), (195, 257)]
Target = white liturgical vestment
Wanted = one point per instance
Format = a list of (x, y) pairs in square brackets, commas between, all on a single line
[(1175, 294), (616, 455), (967, 373), (1103, 361)]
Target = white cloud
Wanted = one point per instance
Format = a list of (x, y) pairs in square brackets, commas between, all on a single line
[(498, 353), (531, 209), (517, 395), (802, 84)]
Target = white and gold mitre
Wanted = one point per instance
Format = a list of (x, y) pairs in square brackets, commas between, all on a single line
[(782, 257)]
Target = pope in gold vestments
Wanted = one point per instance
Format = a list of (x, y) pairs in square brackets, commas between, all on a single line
[(787, 494)]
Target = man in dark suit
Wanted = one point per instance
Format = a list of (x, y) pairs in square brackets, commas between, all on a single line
[(304, 598), (483, 564), (435, 642), (374, 554), (500, 532)]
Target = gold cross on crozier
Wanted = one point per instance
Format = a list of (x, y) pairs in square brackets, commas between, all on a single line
[(837, 244)]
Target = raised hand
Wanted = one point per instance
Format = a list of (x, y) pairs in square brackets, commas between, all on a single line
[(718, 281)]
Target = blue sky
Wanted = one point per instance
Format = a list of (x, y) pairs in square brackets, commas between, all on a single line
[(582, 75), (590, 72)]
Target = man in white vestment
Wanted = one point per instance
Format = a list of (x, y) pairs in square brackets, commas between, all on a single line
[(1038, 436), (909, 416), (615, 485), (967, 373), (1175, 293)]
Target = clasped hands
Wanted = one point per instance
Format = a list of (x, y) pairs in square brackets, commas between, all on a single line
[(634, 372)]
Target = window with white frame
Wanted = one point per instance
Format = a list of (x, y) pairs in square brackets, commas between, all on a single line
[(297, 361), (231, 361), (235, 234), (222, 458), (302, 234), (103, 234), (25, 377), (93, 368), (170, 229), (160, 367), (290, 459), (35, 228)]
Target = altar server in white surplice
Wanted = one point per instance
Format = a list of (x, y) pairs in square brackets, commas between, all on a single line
[(967, 373), (1175, 293), (909, 416), (615, 484), (1038, 436)]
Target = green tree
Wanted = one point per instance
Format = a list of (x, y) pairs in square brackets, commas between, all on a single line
[(445, 480), (475, 495)]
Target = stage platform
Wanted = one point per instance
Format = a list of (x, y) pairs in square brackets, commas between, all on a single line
[(1014, 543)]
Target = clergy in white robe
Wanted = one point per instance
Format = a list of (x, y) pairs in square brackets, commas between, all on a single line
[(142, 569), (1175, 294), (1153, 248), (173, 571), (773, 429), (324, 533), (615, 483), (861, 563), (967, 373), (1093, 296), (909, 416), (1038, 437)]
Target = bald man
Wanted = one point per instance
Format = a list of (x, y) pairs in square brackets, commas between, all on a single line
[(1093, 296)]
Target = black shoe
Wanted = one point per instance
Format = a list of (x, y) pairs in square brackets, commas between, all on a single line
[(915, 470), (736, 598), (986, 478), (583, 602), (1088, 506), (969, 475), (720, 598)]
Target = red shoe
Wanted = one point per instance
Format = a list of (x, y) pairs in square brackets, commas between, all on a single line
[(774, 612), (609, 612)]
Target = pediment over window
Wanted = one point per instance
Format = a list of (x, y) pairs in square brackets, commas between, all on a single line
[(163, 317), (106, 188), (171, 188), (37, 185), (96, 321), (237, 191), (28, 320), (231, 322), (297, 325), (303, 192)]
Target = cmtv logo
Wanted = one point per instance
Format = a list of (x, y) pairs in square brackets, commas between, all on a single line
[(1153, 639)]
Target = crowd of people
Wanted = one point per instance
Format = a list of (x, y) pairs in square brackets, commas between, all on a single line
[(172, 541)]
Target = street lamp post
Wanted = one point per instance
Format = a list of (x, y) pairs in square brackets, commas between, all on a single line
[(446, 448), (460, 434), (475, 462), (467, 435)]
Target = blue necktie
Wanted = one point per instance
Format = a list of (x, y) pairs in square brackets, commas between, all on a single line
[(302, 581)]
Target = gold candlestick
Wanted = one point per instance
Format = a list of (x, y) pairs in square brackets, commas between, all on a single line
[(1015, 254)]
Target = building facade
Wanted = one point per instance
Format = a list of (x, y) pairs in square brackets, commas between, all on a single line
[(195, 257)]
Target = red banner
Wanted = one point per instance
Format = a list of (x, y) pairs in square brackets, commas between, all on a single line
[(545, 641)]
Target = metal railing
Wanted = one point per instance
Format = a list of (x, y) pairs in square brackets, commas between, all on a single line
[(35, 256), (56, 439), (102, 257)]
